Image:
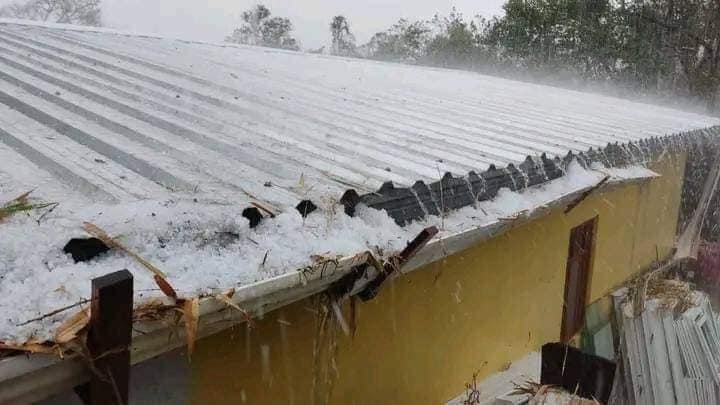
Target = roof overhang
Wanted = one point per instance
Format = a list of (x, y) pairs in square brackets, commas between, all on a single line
[(36, 376)]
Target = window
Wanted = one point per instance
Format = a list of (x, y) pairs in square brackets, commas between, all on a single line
[(577, 278)]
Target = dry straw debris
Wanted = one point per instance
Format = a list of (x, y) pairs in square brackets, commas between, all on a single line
[(549, 394), (72, 330), (227, 300), (671, 293), (526, 388), (191, 312), (21, 204), (472, 394), (95, 231), (190, 308), (662, 285), (72, 327)]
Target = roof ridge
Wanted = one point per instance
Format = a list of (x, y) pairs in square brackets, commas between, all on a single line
[(140, 34), (126, 32), (75, 27)]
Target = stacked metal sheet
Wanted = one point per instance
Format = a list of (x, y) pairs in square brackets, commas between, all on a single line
[(670, 356)]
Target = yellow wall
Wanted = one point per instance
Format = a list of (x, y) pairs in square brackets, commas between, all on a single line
[(423, 337)]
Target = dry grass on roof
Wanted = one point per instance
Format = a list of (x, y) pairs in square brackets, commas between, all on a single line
[(21, 204)]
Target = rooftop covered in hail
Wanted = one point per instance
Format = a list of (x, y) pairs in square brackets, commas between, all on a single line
[(232, 167)]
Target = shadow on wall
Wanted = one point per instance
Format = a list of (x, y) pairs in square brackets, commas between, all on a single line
[(163, 380)]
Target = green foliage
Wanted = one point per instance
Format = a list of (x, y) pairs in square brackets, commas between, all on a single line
[(260, 29), (660, 47), (343, 41), (456, 41), (403, 42)]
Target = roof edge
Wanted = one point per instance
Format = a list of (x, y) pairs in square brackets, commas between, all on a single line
[(407, 204), (32, 378), (130, 33)]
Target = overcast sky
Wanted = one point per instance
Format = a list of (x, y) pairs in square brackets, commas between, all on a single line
[(212, 20)]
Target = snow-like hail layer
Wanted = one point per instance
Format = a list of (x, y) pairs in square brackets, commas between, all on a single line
[(206, 248)]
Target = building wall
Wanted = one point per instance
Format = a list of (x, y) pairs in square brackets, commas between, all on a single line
[(427, 332)]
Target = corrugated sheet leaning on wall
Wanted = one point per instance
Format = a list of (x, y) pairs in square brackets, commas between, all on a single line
[(670, 353)]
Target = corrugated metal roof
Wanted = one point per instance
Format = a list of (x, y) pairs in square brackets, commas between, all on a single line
[(118, 117)]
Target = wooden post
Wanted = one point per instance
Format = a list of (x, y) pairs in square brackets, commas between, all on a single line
[(109, 339)]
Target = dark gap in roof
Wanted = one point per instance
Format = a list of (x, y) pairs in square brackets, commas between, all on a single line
[(253, 215), (634, 148), (493, 179), (517, 180), (477, 184), (613, 156), (569, 158), (84, 249), (305, 207), (539, 170), (350, 200), (405, 205), (592, 155), (452, 193), (553, 167), (400, 203), (423, 193), (533, 173)]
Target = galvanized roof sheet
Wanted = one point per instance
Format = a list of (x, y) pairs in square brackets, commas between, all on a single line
[(118, 117)]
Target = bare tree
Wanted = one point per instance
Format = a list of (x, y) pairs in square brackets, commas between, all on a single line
[(81, 12)]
